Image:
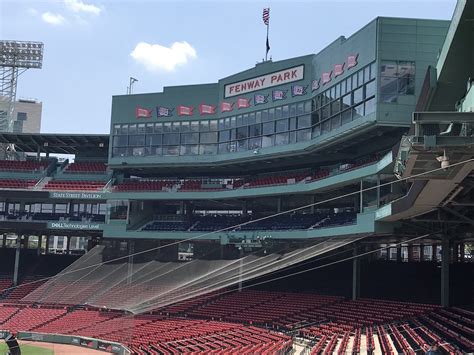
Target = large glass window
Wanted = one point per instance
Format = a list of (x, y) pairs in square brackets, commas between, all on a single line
[(255, 130), (268, 128), (136, 140), (281, 126), (120, 141), (370, 89), (153, 139), (170, 139), (184, 126), (210, 137), (369, 106), (304, 121), (242, 132), (282, 138), (224, 136), (358, 95), (190, 138), (396, 78)]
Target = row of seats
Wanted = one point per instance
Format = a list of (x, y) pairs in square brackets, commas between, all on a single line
[(76, 185), (252, 182), (17, 183), (86, 168), (218, 323), (282, 222), (23, 166)]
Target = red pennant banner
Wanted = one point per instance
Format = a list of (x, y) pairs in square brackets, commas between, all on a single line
[(185, 110), (327, 77), (338, 69), (352, 61), (226, 106), (243, 103), (206, 109), (142, 112)]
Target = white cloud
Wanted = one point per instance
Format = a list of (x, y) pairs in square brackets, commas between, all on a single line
[(157, 57), (79, 6), (53, 19)]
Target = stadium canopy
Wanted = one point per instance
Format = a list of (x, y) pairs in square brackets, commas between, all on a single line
[(455, 64), (56, 142)]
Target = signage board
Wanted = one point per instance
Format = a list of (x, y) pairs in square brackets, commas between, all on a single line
[(264, 81)]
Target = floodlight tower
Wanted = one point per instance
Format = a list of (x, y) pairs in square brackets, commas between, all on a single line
[(16, 57)]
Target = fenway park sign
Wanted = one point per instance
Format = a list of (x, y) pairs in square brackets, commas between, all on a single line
[(265, 81)]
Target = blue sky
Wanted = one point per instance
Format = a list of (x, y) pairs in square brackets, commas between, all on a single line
[(89, 44)]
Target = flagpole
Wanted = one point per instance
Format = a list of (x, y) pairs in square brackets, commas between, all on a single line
[(266, 43)]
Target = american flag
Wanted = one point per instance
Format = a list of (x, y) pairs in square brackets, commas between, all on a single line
[(142, 112), (266, 16), (226, 106), (352, 61), (338, 69), (185, 110), (206, 109), (162, 111)]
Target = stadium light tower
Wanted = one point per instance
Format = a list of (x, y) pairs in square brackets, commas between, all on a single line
[(15, 58)]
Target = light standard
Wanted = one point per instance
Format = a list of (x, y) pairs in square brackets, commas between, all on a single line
[(129, 88)]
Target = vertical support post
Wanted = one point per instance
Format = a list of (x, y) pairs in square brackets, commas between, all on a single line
[(399, 253), (433, 253), (313, 201), (131, 251), (68, 244), (378, 190), (278, 204), (461, 252), (17, 260), (361, 198), (445, 261), (40, 242), (46, 247), (355, 275), (241, 265)]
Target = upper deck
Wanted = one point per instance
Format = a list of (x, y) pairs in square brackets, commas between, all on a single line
[(354, 90)]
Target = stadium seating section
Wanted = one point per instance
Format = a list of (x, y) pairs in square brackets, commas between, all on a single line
[(17, 183), (260, 322), (22, 166), (284, 222), (85, 168), (264, 180), (75, 185)]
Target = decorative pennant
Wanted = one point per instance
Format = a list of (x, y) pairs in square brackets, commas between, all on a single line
[(227, 106), (207, 109), (279, 95), (315, 84), (338, 69), (185, 110), (326, 77), (298, 90), (352, 60), (142, 112), (243, 103), (260, 99), (162, 111)]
